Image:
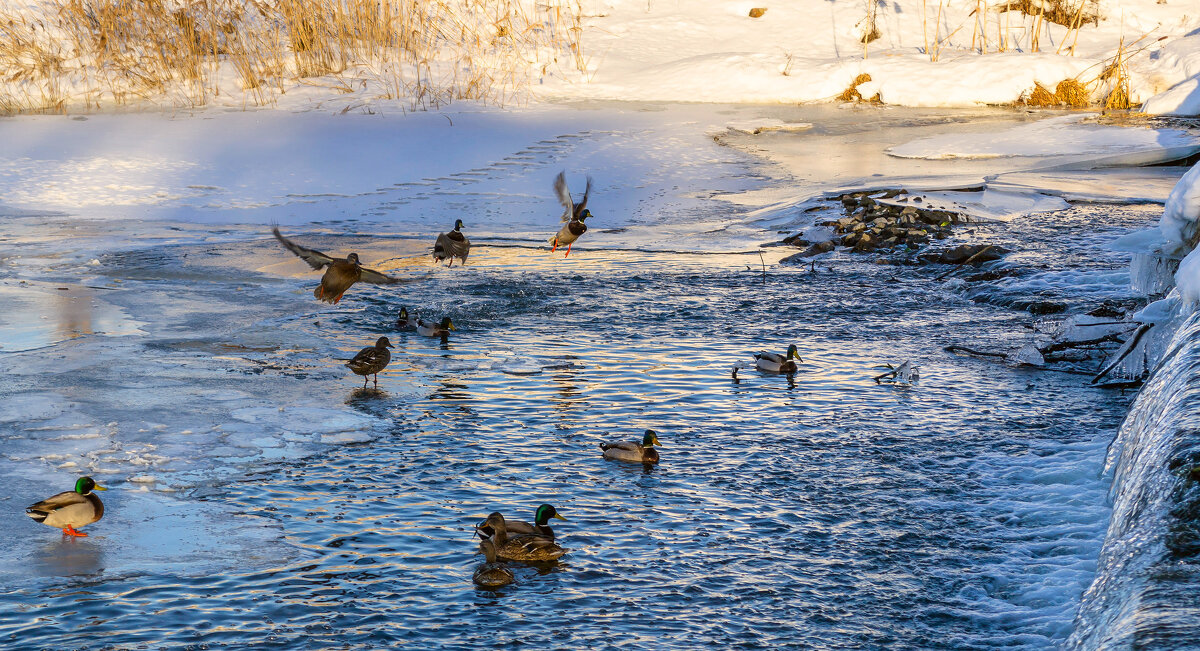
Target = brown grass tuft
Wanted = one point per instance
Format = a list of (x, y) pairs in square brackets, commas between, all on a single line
[(851, 94)]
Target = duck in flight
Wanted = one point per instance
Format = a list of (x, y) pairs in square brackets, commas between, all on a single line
[(340, 274), (573, 214)]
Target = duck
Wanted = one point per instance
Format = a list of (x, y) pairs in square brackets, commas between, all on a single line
[(776, 363), (573, 214), (518, 548), (404, 321), (371, 360), (491, 574), (341, 274), (632, 451), (539, 527), (452, 245), (430, 329), (70, 510)]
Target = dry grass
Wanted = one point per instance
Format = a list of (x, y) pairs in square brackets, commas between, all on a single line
[(1069, 92), (179, 52), (851, 93)]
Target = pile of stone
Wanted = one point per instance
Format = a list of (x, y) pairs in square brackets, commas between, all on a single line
[(870, 224)]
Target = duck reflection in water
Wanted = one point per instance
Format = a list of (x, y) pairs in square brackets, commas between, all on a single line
[(365, 394), (68, 556)]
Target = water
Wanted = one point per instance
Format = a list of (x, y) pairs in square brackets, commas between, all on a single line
[(260, 498)]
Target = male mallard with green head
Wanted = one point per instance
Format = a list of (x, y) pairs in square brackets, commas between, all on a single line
[(632, 451), (491, 574), (573, 214), (371, 360), (452, 245), (518, 548), (406, 321), (776, 363), (540, 526), (70, 509), (341, 274), (430, 329)]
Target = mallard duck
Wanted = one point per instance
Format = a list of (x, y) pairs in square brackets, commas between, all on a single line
[(341, 274), (70, 509), (404, 321), (776, 363), (518, 548), (435, 329), (491, 574), (539, 527), (371, 360), (452, 245), (573, 214), (632, 451)]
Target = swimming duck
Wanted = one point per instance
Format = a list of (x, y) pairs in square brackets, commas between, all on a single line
[(435, 329), (776, 363), (341, 274), (452, 245), (518, 548), (539, 527), (404, 321), (371, 359), (573, 214), (491, 574), (632, 451), (70, 509)]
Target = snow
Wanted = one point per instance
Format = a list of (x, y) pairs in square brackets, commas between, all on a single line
[(799, 51), (1181, 215)]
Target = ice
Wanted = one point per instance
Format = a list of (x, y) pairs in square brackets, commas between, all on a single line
[(1065, 135), (1181, 215), (25, 407), (1108, 185), (1028, 355), (305, 420), (987, 204)]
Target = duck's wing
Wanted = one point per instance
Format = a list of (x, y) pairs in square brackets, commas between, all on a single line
[(564, 195), (583, 204), (52, 504), (314, 258), (377, 278), (452, 248), (771, 357), (366, 355), (631, 446)]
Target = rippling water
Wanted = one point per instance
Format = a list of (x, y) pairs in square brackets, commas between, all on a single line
[(262, 499)]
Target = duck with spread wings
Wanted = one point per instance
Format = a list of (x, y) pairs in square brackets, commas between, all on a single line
[(341, 272), (573, 214)]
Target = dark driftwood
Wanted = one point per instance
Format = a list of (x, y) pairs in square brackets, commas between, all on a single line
[(971, 351), (1063, 345), (1129, 347)]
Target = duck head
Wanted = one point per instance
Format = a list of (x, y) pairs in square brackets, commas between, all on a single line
[(650, 439), (793, 353), (383, 343), (544, 513), (352, 258), (447, 324), (404, 314), (458, 224), (85, 485), (488, 549), (585, 214)]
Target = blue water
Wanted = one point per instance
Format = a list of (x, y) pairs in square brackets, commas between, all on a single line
[(261, 499)]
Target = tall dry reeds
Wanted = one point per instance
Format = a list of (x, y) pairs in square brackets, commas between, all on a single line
[(183, 52)]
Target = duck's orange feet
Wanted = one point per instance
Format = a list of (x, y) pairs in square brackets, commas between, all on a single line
[(568, 250), (70, 531), (555, 247), (338, 299)]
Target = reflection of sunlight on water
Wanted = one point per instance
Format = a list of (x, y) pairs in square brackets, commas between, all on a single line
[(40, 314)]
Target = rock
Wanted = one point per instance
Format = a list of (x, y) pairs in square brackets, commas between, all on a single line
[(1045, 307), (816, 249), (796, 240), (976, 253), (909, 210), (757, 12)]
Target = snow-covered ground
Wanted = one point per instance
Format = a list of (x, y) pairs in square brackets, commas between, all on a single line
[(943, 54)]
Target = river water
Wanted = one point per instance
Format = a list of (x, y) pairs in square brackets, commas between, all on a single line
[(261, 499)]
